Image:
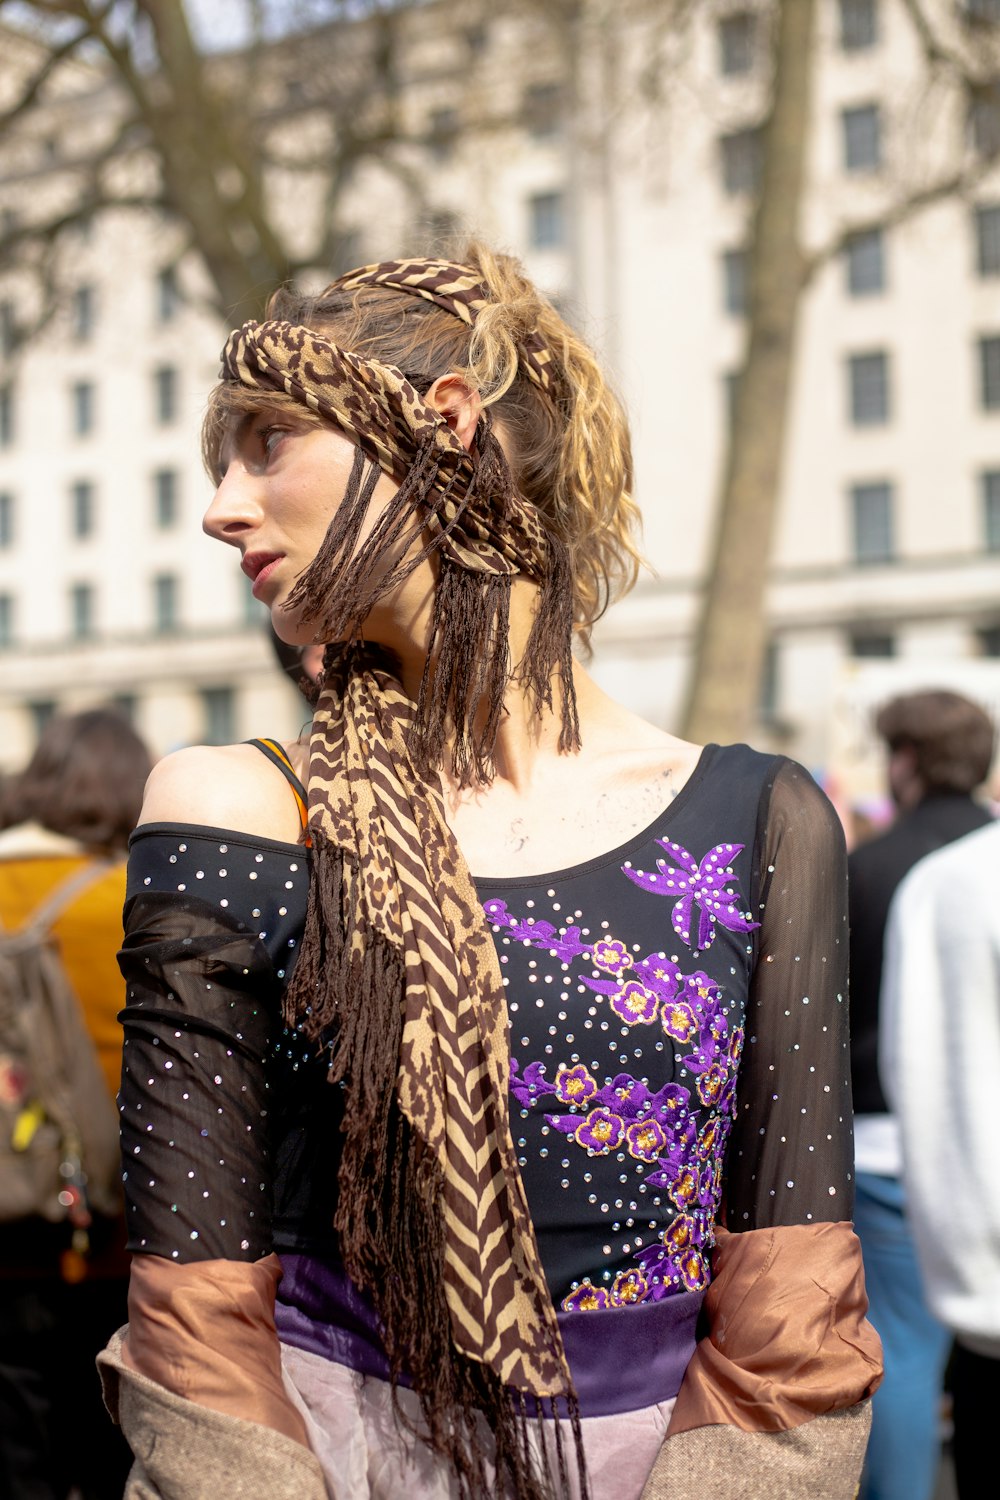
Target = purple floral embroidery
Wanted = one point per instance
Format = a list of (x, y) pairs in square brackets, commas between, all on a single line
[(600, 1132), (629, 1287), (611, 955), (575, 1085), (586, 1298), (635, 1004), (645, 1139), (527, 1086), (679, 1020), (708, 885), (565, 945), (675, 1261), (660, 974)]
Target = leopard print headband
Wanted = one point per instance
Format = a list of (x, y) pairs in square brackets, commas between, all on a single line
[(459, 291)]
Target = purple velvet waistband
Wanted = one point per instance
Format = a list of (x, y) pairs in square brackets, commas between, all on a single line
[(622, 1359)]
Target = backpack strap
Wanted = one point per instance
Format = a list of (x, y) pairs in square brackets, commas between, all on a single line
[(63, 895), (276, 755)]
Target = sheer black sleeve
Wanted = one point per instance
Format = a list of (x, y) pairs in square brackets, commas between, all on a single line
[(791, 1153), (202, 1022)]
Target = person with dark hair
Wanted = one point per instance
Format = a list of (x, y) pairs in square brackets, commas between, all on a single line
[(65, 820), (485, 1104), (940, 747), (942, 980)]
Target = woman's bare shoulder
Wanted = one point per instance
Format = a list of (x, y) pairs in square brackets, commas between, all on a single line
[(222, 786)]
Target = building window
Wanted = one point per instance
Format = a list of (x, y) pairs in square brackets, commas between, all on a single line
[(735, 283), (736, 42), (41, 711), (218, 715), (543, 108), (83, 312), (858, 25), (165, 598), (862, 138), (6, 519), (165, 394), (165, 498), (126, 704), (442, 133), (6, 416), (988, 240), (988, 637), (871, 644), (6, 620), (871, 515), (83, 407), (768, 693), (741, 161), (984, 118), (82, 508), (730, 393), (864, 259), (868, 382), (81, 611), (990, 482), (547, 221), (8, 328), (989, 373), (167, 295)]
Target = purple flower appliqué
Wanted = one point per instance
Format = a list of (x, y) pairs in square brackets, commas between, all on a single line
[(527, 1086), (635, 1004), (575, 1085), (610, 955), (679, 1020), (709, 885), (586, 1298), (629, 1287), (645, 1139), (600, 1132)]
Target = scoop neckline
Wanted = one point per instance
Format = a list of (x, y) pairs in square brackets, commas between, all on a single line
[(609, 856), (492, 882)]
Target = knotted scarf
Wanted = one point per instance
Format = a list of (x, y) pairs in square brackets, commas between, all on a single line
[(397, 971)]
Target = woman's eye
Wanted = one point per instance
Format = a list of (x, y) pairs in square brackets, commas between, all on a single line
[(270, 437)]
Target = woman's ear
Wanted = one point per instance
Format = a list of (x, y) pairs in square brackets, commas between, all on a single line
[(459, 404)]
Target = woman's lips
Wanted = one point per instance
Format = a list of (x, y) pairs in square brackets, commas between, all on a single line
[(258, 566)]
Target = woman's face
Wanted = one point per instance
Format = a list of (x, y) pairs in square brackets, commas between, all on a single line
[(282, 481)]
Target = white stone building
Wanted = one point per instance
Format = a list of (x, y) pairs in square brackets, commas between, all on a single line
[(629, 206)]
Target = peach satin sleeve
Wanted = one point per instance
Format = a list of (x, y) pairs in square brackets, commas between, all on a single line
[(788, 1338), (206, 1332)]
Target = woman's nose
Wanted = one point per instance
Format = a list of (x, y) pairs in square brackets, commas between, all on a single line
[(233, 511)]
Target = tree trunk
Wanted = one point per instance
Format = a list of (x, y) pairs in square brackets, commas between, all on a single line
[(732, 631)]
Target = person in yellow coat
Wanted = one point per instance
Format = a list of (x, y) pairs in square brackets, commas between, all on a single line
[(68, 813)]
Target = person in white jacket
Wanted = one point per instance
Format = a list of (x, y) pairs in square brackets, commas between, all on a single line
[(940, 1062)]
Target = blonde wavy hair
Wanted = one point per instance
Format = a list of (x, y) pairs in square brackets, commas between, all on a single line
[(570, 452)]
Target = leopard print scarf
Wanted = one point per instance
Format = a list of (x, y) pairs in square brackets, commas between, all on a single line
[(397, 969)]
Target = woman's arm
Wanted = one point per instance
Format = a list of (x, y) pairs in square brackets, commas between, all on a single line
[(201, 1018), (775, 1395)]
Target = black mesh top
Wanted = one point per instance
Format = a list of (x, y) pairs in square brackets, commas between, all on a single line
[(678, 1024)]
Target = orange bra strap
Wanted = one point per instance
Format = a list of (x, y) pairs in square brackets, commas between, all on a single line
[(276, 754)]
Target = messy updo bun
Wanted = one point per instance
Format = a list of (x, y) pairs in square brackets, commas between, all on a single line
[(569, 450)]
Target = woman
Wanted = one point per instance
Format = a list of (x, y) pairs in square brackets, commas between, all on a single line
[(66, 818), (492, 1145)]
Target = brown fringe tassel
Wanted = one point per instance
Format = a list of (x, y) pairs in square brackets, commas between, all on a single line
[(468, 661)]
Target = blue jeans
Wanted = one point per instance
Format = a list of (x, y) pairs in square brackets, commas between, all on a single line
[(905, 1447)]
